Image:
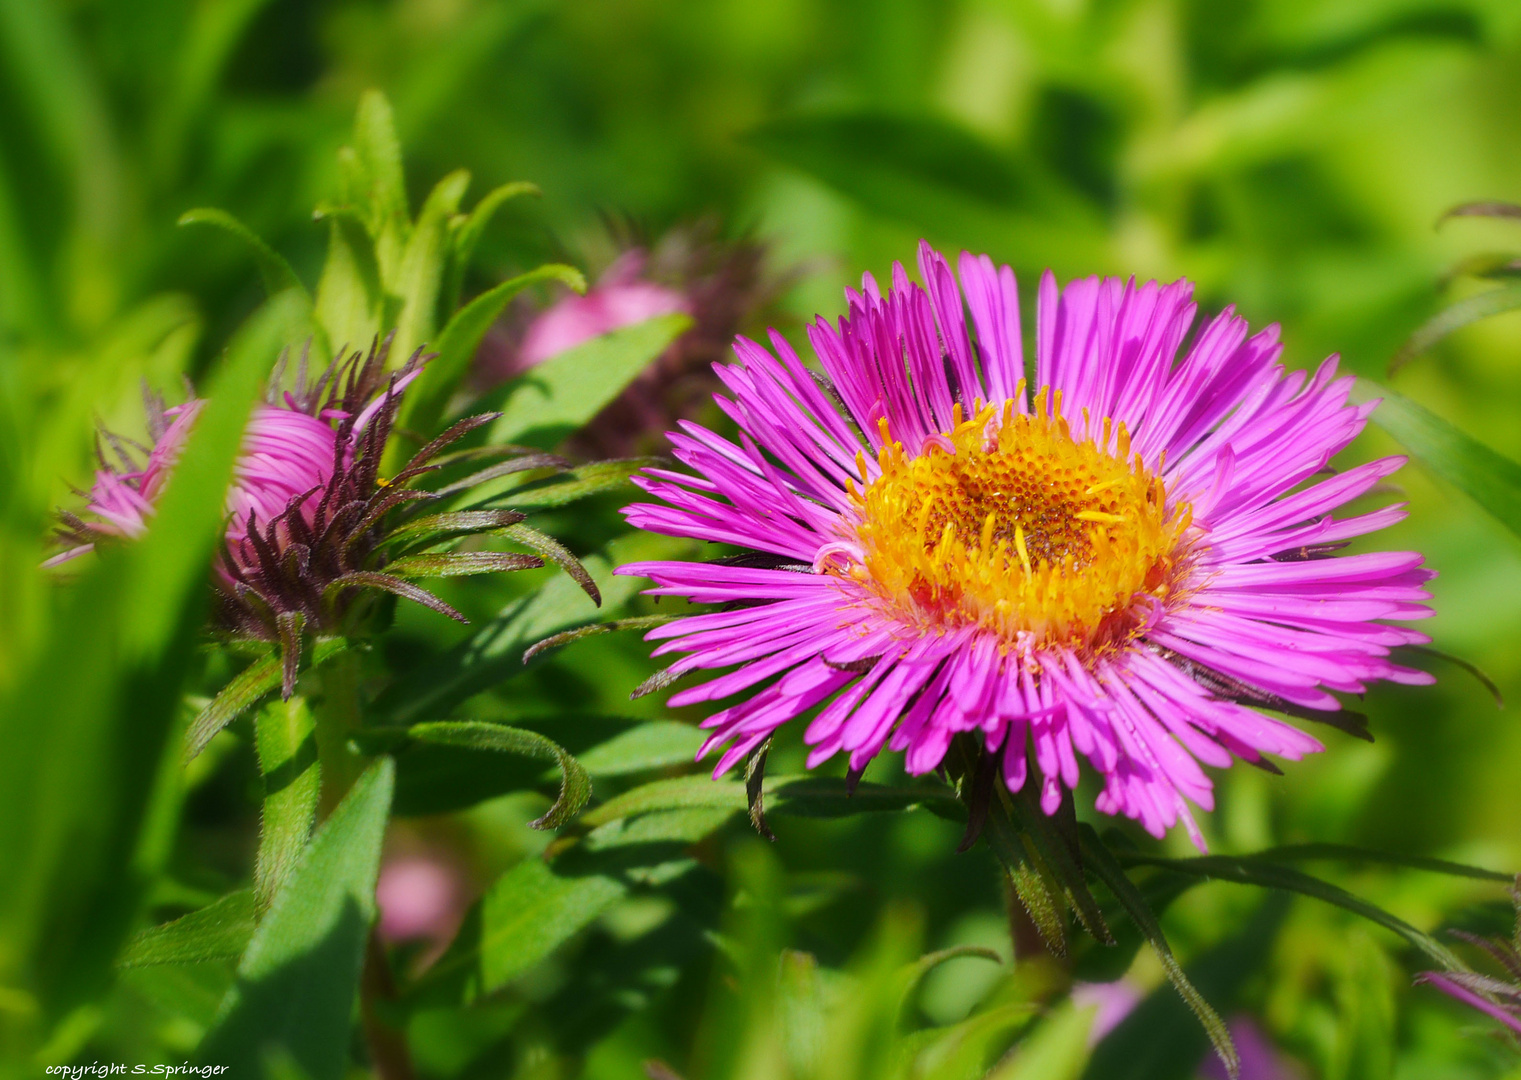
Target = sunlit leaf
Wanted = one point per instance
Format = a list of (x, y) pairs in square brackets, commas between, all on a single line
[(547, 403), (287, 749), (655, 745), (297, 980), (244, 690), (461, 337), (465, 233), (1490, 479), (219, 931), (421, 270), (93, 716)]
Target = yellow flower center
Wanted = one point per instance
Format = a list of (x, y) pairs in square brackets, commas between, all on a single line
[(1009, 522)]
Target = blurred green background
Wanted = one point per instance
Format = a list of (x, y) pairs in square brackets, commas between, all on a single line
[(1290, 156)]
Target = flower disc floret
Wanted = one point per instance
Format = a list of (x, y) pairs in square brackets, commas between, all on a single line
[(1010, 523)]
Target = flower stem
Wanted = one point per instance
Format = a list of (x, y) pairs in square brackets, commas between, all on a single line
[(337, 712)]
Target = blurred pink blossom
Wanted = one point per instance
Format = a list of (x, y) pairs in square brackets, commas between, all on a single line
[(420, 897), (619, 298)]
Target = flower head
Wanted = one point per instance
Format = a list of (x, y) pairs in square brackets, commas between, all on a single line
[(313, 530), (1121, 559)]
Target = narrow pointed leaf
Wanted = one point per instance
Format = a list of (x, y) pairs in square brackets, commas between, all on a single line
[(369, 579), (557, 553), (462, 564), (546, 404), (244, 691), (575, 784), (461, 337), (1252, 870), (297, 981), (595, 479), (465, 234), (1454, 317), (275, 272), (1109, 870), (287, 748), (565, 637), (1490, 479), (422, 264), (219, 931)]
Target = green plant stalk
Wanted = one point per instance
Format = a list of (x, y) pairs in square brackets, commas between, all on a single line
[(337, 714)]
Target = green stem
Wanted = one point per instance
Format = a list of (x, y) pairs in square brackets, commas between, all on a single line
[(337, 713)]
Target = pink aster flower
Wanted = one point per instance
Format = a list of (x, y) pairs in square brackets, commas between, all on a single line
[(620, 298), (690, 270), (1121, 560), (313, 530)]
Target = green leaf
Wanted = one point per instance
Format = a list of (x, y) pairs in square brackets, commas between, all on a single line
[(495, 652), (557, 553), (1455, 317), (1056, 1050), (1159, 1040), (95, 710), (555, 641), (1106, 867), (461, 564), (597, 478), (431, 528), (575, 784), (287, 748), (348, 304), (276, 273), (656, 745), (378, 171), (429, 395), (1353, 854), (1255, 870), (529, 912), (800, 796), (219, 931), (1490, 479), (465, 233), (244, 690), (560, 395), (421, 271), (297, 981)]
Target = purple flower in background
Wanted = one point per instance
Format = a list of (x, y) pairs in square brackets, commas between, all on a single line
[(1260, 1059), (620, 298), (420, 896), (690, 270), (1111, 1002), (1122, 561), (1499, 999)]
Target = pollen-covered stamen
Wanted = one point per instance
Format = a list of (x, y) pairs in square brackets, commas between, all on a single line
[(1020, 527)]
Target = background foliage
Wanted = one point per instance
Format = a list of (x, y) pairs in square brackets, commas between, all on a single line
[(1291, 156)]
